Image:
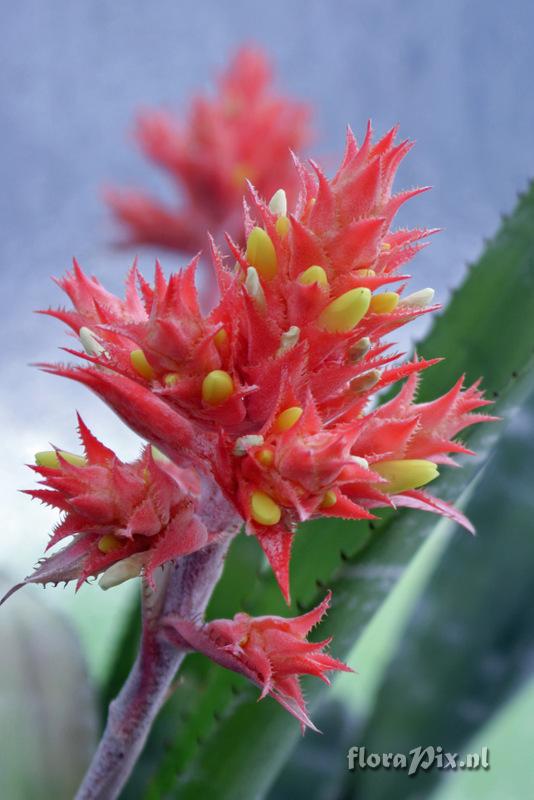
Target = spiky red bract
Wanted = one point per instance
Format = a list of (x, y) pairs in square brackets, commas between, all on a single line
[(146, 508), (271, 651), (210, 153)]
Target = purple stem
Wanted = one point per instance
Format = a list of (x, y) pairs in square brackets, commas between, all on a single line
[(188, 586)]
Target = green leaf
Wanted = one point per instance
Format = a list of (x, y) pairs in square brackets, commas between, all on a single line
[(47, 711), (508, 736), (485, 330), (310, 772), (469, 643)]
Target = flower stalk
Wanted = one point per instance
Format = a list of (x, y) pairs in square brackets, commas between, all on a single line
[(185, 589)]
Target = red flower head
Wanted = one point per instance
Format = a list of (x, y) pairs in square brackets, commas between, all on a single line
[(210, 155), (124, 518), (271, 651), (271, 391)]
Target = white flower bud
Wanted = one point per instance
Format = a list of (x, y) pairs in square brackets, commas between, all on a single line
[(420, 299), (122, 571), (253, 286), (90, 343), (288, 340), (245, 442), (278, 203)]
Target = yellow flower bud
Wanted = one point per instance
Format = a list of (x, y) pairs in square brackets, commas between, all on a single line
[(221, 340), (329, 500), (261, 253), (314, 274), (171, 378), (264, 510), (344, 313), (265, 456), (48, 458), (140, 364), (286, 419), (217, 387), (282, 226), (109, 543), (384, 302), (404, 475)]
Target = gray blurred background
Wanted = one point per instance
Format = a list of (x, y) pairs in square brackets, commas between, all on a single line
[(456, 75)]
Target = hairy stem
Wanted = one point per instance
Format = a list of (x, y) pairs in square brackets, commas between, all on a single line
[(188, 585)]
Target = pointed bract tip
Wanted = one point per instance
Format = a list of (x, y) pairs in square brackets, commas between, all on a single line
[(12, 591)]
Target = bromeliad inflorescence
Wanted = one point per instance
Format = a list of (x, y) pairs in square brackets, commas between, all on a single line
[(125, 518), (269, 394), (262, 409), (246, 131), (271, 651)]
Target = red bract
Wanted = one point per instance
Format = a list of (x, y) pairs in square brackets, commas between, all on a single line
[(271, 651), (211, 153), (139, 515), (270, 392)]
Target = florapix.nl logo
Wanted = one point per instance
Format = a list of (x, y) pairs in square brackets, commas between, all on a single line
[(419, 758)]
